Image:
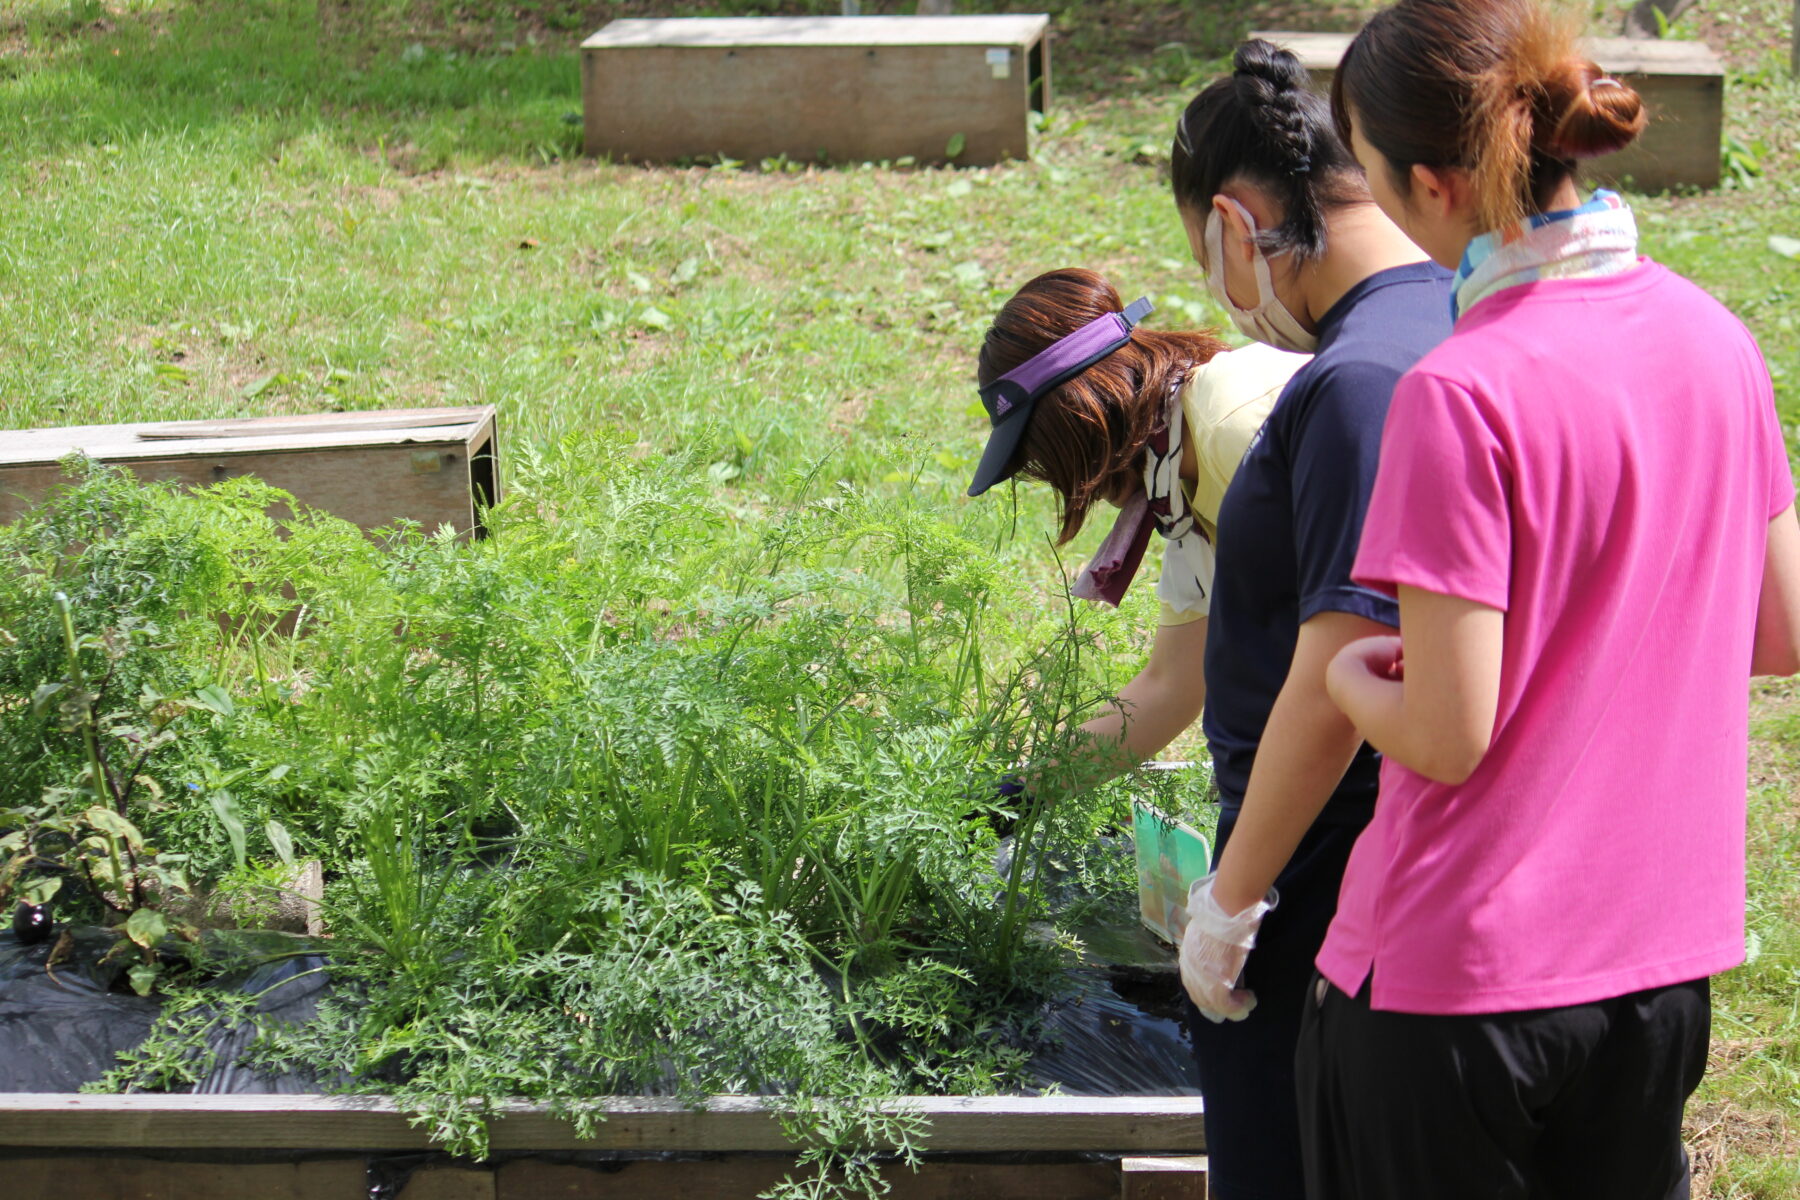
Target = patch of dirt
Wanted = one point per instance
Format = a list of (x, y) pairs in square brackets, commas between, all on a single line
[(1719, 1132), (846, 416), (383, 200), (1726, 1053), (1743, 34), (77, 22), (1108, 41)]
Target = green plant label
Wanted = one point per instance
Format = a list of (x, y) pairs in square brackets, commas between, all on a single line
[(1170, 857)]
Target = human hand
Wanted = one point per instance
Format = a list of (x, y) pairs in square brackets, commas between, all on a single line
[(1214, 946), (1380, 658)]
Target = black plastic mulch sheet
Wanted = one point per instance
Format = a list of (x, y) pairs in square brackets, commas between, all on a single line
[(62, 1026), (1114, 1034), (1103, 1034)]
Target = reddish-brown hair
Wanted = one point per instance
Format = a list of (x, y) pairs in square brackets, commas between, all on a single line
[(1085, 438), (1495, 87)]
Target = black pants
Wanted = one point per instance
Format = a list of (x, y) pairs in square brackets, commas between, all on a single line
[(1247, 1067), (1575, 1103)]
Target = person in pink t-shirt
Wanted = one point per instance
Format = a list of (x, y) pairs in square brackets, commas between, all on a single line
[(1584, 506)]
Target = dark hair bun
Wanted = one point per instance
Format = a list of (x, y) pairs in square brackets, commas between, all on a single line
[(1276, 91), (1590, 113), (1264, 60)]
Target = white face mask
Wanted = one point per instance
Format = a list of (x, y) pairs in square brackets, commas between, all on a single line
[(1270, 321)]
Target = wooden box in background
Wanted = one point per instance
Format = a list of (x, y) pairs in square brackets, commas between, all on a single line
[(436, 466), (845, 89), (1682, 84)]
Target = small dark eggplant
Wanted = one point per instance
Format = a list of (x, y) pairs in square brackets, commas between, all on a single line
[(32, 923)]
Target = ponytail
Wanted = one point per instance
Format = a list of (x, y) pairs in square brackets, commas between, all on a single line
[(1086, 437)]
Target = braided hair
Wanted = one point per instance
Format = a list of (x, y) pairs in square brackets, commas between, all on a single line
[(1264, 123)]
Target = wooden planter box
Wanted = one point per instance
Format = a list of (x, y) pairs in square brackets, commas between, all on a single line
[(843, 89), (436, 466), (1682, 83), (333, 1148)]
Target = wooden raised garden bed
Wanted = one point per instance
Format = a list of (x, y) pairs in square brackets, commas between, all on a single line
[(848, 89), (1682, 84), (436, 466), (827, 866)]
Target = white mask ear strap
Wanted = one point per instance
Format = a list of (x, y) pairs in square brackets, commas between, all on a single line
[(1265, 281), (1215, 259)]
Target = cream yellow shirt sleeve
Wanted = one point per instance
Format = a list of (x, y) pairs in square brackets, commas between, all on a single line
[(1224, 406)]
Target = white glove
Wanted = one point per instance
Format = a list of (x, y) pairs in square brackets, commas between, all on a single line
[(1214, 946)]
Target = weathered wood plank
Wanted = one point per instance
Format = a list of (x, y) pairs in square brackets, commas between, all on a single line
[(744, 1178), (1322, 52), (157, 1179), (1682, 85), (737, 1178), (957, 1124), (252, 435), (284, 427), (969, 30), (370, 486), (1162, 1178), (440, 1183)]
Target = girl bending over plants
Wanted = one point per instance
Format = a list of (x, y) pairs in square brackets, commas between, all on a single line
[(1153, 424)]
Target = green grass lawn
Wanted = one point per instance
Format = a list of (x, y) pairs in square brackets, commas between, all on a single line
[(243, 207)]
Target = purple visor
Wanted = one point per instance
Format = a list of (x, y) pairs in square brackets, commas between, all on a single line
[(1010, 398)]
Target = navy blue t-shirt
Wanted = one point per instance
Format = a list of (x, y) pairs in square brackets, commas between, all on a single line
[(1290, 521)]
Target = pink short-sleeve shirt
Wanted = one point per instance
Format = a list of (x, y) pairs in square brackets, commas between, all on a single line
[(1600, 459)]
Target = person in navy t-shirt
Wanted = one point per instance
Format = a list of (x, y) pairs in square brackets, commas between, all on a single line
[(1281, 219)]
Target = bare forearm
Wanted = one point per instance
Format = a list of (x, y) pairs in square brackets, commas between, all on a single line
[(1376, 707), (1436, 716), (1306, 747), (1146, 717), (1776, 650), (1154, 709), (1150, 712), (1435, 747)]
